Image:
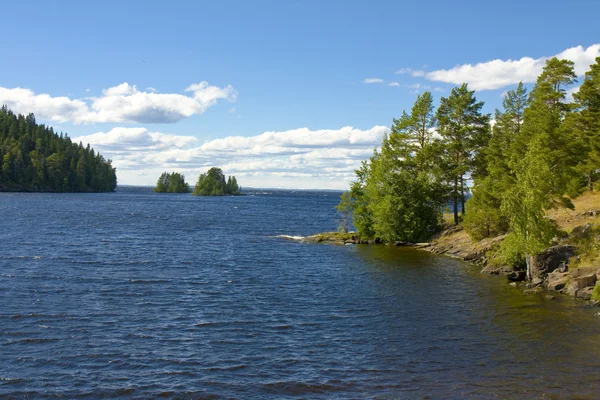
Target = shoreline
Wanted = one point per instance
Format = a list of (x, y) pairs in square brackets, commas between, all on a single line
[(552, 270)]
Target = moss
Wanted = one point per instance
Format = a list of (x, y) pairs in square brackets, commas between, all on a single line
[(596, 292)]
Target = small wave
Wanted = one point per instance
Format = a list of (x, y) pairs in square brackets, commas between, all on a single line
[(32, 340), (148, 281), (229, 368), (300, 388), (290, 237)]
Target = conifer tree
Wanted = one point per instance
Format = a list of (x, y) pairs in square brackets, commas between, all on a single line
[(465, 131)]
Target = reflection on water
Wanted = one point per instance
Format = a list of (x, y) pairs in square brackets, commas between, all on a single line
[(139, 295)]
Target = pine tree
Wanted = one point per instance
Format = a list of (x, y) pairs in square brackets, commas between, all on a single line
[(465, 131)]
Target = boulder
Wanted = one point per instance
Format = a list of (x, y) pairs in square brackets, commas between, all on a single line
[(557, 285), (550, 260), (584, 281), (585, 293), (582, 231), (557, 281), (516, 276)]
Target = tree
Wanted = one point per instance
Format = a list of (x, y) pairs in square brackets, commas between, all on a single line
[(344, 209), (33, 157), (397, 196), (585, 124), (485, 218), (213, 183), (465, 131), (171, 183)]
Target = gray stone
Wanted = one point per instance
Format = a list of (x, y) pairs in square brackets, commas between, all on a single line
[(513, 284), (585, 293), (536, 282), (586, 281), (556, 280), (550, 260), (581, 232)]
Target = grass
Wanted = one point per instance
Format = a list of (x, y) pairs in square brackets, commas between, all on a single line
[(589, 246)]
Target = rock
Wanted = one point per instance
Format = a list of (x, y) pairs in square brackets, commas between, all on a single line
[(585, 293), (516, 276), (586, 280), (536, 282), (557, 281), (583, 231), (549, 297), (513, 284), (550, 260), (557, 285)]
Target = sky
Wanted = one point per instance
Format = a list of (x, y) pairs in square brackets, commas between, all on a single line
[(281, 94)]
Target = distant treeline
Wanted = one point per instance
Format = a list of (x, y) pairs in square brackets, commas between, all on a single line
[(211, 183), (34, 158), (542, 151)]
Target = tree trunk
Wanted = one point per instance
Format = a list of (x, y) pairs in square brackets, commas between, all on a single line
[(455, 201), (528, 262), (462, 196), (590, 183)]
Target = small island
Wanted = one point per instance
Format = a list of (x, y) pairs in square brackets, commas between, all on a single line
[(214, 183), (33, 158), (172, 183)]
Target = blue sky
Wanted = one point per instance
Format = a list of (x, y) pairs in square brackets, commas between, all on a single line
[(276, 91)]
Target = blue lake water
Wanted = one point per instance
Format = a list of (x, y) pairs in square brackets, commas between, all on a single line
[(140, 295)]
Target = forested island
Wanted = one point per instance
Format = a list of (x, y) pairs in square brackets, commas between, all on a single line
[(34, 158), (172, 183), (214, 183), (539, 155)]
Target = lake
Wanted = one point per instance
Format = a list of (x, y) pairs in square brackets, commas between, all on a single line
[(136, 294)]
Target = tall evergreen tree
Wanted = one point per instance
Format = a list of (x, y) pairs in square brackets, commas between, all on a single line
[(465, 131), (584, 125)]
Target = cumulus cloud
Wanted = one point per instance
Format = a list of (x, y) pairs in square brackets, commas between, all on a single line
[(372, 80), (498, 73), (394, 84), (118, 104), (299, 158)]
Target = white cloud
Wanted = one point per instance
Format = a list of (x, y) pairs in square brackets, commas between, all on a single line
[(394, 84), (373, 80), (498, 73), (118, 104), (410, 71), (570, 92), (300, 158)]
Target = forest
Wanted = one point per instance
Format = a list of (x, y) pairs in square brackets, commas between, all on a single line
[(499, 176), (34, 158)]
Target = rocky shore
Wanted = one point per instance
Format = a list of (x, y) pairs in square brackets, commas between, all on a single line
[(570, 267)]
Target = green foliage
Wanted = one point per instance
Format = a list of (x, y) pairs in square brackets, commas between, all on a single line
[(172, 183), (34, 158), (213, 183), (584, 125), (344, 209), (485, 219), (398, 196), (526, 202), (465, 131), (596, 292)]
